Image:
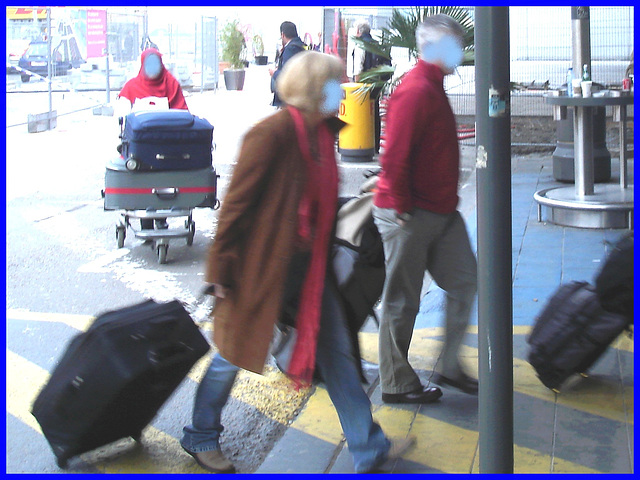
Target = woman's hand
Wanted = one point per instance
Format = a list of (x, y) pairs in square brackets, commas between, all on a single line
[(220, 291), (217, 290)]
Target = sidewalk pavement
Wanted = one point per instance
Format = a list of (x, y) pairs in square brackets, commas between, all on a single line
[(586, 428)]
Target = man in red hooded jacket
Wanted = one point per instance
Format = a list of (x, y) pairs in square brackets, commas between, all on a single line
[(415, 212), (154, 80)]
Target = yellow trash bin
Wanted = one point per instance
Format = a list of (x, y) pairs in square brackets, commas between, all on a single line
[(356, 141)]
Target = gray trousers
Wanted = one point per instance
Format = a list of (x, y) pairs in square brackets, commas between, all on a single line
[(440, 245)]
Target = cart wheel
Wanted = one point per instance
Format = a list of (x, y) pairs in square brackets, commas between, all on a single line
[(192, 233), (121, 233), (162, 253)]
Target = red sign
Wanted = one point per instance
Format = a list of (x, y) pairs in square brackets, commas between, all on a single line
[(96, 33), (25, 13)]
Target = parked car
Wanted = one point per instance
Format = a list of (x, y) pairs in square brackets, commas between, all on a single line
[(35, 60), (15, 50)]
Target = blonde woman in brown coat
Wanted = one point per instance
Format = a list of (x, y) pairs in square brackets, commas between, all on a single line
[(274, 232)]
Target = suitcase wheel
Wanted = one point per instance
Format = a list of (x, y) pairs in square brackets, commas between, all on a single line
[(192, 232), (121, 233), (162, 253), (62, 463)]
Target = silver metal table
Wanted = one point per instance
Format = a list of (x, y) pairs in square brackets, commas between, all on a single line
[(587, 205)]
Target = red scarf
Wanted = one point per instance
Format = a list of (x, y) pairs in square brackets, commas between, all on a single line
[(316, 216), (165, 85)]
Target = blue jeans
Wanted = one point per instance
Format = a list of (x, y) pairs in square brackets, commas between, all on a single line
[(336, 363), (213, 392)]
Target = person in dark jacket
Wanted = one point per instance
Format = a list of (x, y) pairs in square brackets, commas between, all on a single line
[(292, 45), (363, 61)]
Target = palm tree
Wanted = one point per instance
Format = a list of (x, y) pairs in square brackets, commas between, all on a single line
[(401, 32)]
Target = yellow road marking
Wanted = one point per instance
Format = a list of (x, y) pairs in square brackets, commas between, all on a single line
[(319, 418), (595, 396), (24, 381)]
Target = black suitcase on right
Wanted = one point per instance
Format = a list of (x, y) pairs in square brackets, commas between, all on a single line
[(571, 333), (112, 379)]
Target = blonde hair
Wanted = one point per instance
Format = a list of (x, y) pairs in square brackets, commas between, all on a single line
[(303, 78)]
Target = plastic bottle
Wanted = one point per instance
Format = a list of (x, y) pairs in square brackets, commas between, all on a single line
[(586, 77), (570, 82)]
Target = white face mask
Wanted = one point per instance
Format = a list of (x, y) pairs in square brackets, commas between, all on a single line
[(446, 52), (332, 96), (152, 66)]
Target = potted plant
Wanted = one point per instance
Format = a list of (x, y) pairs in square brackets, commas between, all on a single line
[(258, 50), (233, 49)]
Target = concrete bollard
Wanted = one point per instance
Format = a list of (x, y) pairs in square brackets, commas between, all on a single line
[(41, 122)]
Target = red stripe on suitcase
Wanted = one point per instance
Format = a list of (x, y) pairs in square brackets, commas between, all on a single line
[(148, 191)]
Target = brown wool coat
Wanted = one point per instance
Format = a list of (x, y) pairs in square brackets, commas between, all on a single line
[(255, 238)]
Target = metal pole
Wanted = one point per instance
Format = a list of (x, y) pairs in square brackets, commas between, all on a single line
[(495, 305), (580, 39), (107, 52), (583, 116), (49, 65)]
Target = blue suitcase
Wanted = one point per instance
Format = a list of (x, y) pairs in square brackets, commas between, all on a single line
[(166, 140)]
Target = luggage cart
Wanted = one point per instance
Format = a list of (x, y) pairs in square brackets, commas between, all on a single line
[(160, 237), (155, 196)]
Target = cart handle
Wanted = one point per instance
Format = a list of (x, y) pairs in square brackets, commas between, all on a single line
[(166, 193)]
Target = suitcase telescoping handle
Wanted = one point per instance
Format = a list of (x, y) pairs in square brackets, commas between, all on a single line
[(177, 156), (168, 193)]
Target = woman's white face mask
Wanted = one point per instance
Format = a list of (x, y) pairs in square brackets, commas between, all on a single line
[(446, 52), (332, 96), (152, 66)]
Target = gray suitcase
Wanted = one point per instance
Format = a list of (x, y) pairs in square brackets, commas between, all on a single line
[(138, 190)]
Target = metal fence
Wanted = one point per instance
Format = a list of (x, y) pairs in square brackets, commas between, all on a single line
[(540, 41)]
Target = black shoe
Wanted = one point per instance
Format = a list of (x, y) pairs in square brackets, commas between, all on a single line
[(464, 383), (422, 395)]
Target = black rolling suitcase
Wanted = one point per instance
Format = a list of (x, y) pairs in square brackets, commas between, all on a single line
[(163, 140), (113, 378), (571, 333), (614, 281)]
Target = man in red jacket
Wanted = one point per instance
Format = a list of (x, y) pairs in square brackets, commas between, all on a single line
[(415, 212)]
